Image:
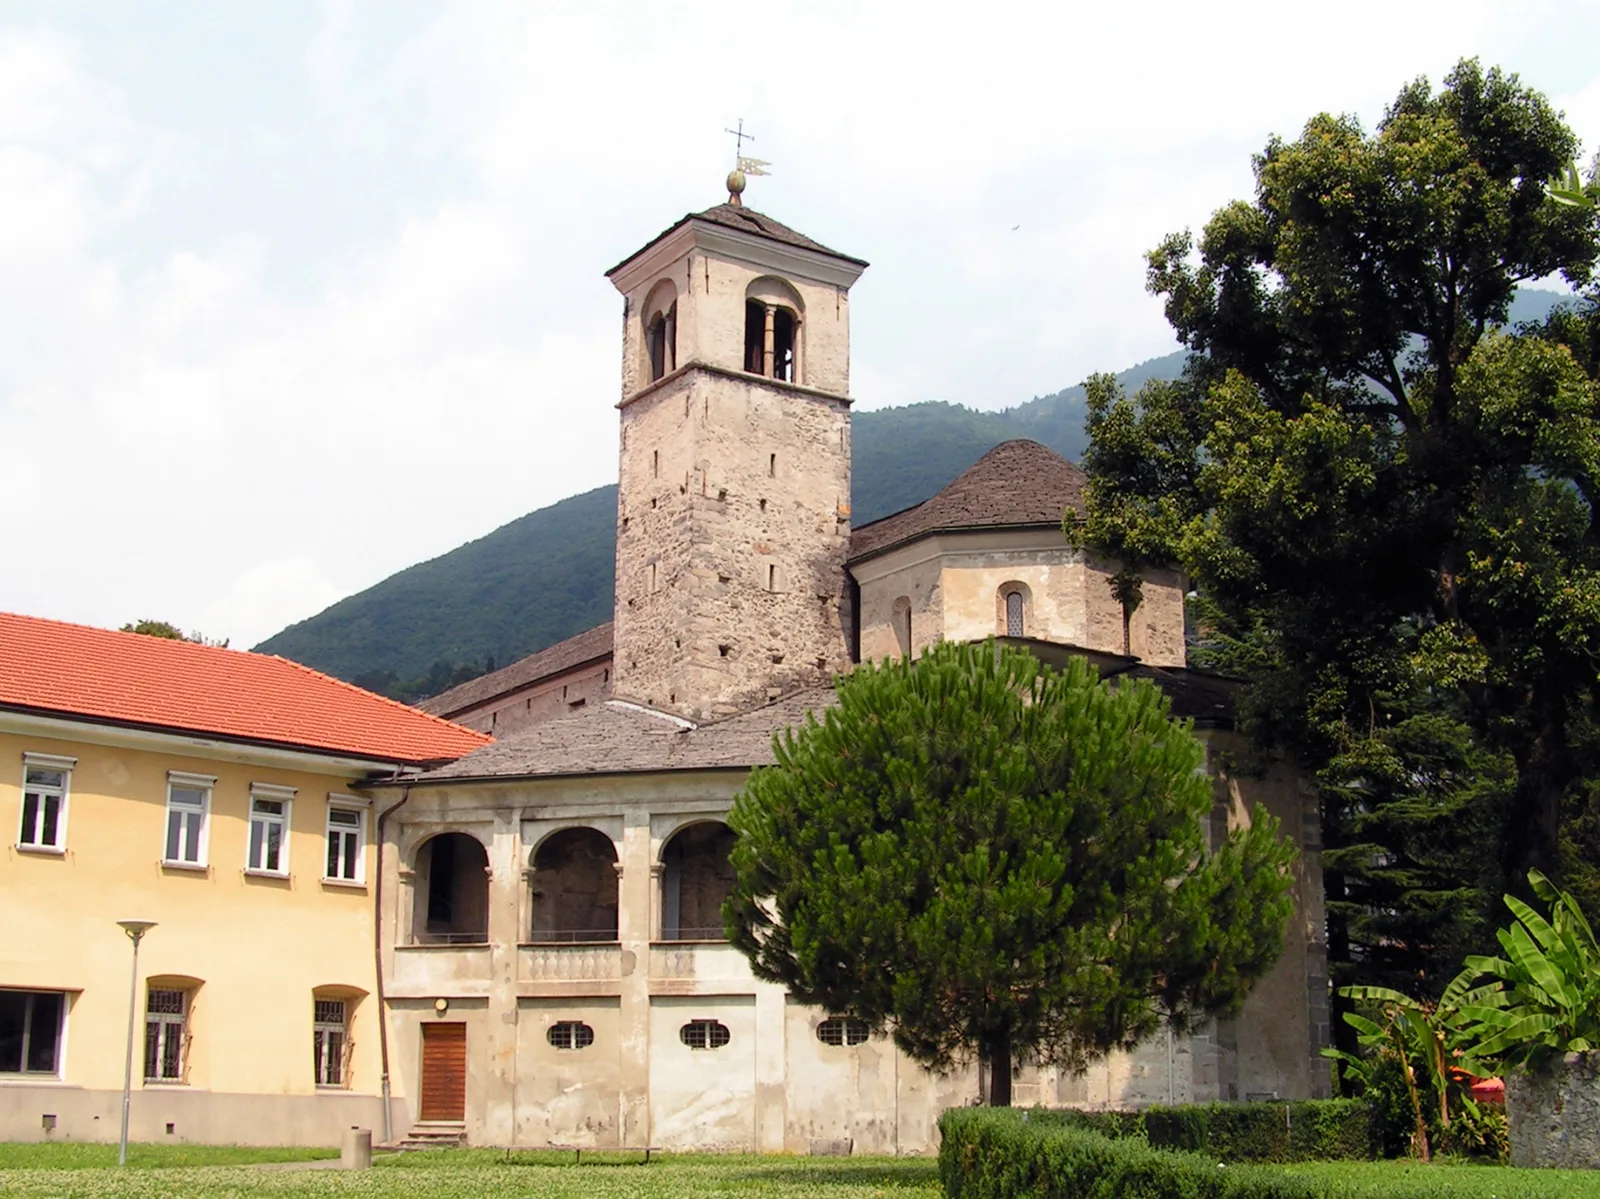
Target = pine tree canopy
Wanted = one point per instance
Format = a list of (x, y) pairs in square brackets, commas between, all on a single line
[(983, 855)]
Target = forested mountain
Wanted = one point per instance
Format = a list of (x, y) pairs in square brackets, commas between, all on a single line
[(548, 575)]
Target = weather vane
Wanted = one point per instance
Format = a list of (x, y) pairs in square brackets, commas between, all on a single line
[(742, 166)]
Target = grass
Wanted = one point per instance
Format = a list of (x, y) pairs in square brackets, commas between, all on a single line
[(1413, 1180), (70, 1171), (76, 1155), (469, 1173)]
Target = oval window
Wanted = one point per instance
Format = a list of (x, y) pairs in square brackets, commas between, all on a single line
[(570, 1034), (704, 1034), (843, 1030)]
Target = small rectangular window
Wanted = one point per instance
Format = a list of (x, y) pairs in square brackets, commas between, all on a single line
[(330, 1041), (188, 803), (166, 1034), (45, 782), (30, 1031), (269, 826), (346, 840)]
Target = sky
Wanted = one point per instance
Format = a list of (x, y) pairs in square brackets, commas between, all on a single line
[(295, 294)]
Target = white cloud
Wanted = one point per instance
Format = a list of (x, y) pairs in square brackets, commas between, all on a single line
[(260, 348)]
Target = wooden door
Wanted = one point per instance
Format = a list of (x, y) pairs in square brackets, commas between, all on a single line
[(444, 1073)]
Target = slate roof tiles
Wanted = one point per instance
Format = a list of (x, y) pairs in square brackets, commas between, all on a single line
[(591, 645), (619, 737), (1016, 483)]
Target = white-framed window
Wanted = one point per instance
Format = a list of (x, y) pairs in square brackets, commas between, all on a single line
[(46, 781), (30, 1031), (330, 1041), (188, 806), (269, 828), (166, 1034), (347, 840)]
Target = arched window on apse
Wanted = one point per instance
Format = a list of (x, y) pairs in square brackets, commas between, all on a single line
[(772, 318), (1011, 610), (661, 329), (900, 618)]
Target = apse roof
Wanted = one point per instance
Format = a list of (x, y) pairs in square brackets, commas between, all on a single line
[(1016, 483)]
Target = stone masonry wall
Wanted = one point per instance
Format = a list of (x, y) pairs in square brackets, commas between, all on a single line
[(733, 522), (1555, 1114)]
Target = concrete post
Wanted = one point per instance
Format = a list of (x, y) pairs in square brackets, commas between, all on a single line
[(635, 930), (355, 1149), (500, 1026)]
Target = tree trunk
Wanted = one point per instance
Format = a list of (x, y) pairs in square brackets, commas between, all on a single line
[(997, 1050), (1544, 770)]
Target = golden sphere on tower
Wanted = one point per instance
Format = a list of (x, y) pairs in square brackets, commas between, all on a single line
[(735, 185)]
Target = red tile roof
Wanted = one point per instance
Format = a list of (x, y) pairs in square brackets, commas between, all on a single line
[(72, 670)]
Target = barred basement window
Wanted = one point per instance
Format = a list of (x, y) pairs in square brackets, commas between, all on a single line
[(570, 1034), (843, 1030), (165, 1035), (330, 1040), (704, 1034)]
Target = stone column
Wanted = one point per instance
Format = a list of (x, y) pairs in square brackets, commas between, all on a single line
[(767, 342)]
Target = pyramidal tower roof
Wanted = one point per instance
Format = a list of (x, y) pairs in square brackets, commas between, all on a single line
[(729, 215)]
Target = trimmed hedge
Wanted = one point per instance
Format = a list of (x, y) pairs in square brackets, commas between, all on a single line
[(1305, 1130), (988, 1153), (1308, 1130)]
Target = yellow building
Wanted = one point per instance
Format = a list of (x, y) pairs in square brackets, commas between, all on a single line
[(210, 791)]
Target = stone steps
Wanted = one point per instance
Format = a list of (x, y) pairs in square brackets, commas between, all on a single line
[(431, 1136)]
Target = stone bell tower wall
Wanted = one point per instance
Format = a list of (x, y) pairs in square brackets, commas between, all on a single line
[(733, 525)]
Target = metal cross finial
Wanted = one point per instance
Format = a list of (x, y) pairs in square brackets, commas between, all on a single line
[(740, 137)]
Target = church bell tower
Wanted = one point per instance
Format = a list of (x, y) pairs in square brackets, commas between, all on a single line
[(733, 504)]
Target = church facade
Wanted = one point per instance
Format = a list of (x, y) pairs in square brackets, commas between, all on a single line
[(553, 962)]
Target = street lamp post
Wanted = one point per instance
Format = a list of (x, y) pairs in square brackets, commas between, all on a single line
[(136, 930)]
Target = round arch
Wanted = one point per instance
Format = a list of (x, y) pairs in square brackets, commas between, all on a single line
[(1013, 609), (660, 325), (774, 321), (696, 877), (451, 889), (573, 887)]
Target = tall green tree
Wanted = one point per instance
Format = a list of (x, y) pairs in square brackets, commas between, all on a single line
[(1387, 501), (982, 855)]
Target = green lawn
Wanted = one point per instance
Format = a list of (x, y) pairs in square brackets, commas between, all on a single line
[(74, 1155), (176, 1172), (468, 1174), (1377, 1180)]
